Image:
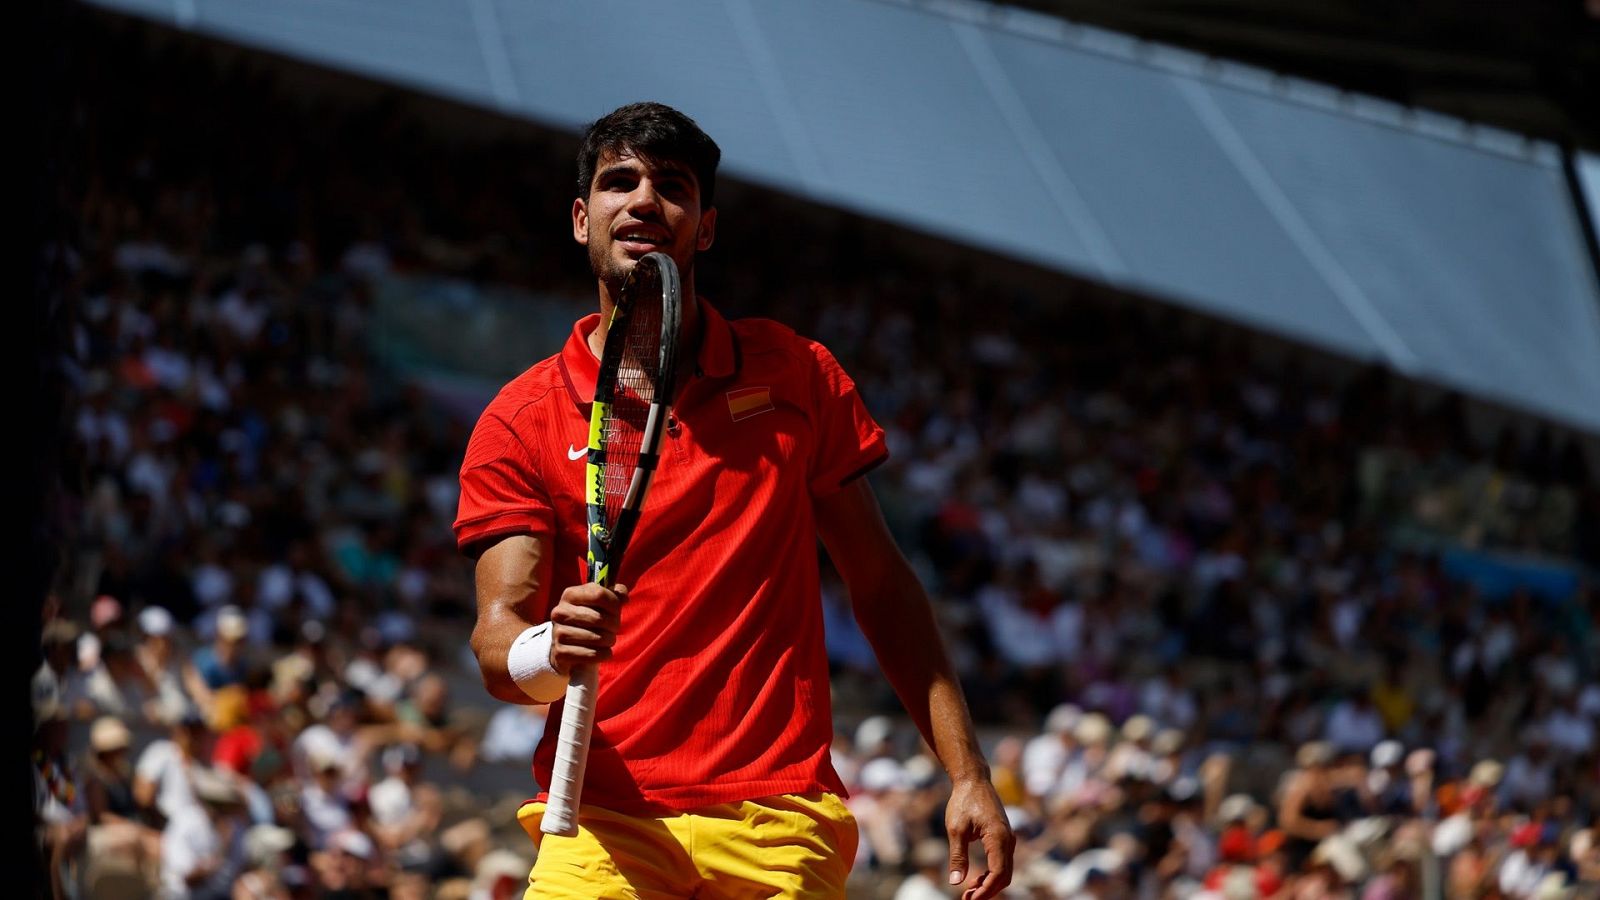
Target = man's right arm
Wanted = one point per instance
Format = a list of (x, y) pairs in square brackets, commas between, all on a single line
[(513, 580)]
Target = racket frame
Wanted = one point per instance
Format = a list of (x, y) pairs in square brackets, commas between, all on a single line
[(608, 541)]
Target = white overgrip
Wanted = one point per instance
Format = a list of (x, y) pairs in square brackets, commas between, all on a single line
[(572, 754)]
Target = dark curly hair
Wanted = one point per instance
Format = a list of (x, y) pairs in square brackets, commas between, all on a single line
[(656, 132)]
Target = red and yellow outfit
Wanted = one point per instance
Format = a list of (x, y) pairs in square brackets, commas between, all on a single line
[(717, 691)]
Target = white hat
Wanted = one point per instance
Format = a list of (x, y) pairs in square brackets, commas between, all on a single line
[(1486, 773), (872, 731), (1314, 753), (155, 621), (211, 786), (108, 734), (920, 771), (1387, 753), (322, 758), (1138, 728), (263, 843), (1063, 719), (231, 624), (1343, 856), (882, 774), (1451, 835), (1167, 742), (1093, 729), (1240, 884), (1234, 807)]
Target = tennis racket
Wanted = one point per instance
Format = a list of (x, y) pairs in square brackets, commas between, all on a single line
[(632, 399)]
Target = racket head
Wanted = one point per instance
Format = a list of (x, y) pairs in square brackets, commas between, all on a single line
[(632, 398)]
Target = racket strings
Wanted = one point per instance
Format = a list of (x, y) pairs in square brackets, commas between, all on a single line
[(638, 373)]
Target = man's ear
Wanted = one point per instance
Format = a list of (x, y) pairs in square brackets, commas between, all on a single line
[(708, 230), (580, 221)]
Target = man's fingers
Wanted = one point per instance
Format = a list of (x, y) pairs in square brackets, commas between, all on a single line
[(958, 858), (594, 596), (569, 636), (997, 846), (589, 618), (582, 656)]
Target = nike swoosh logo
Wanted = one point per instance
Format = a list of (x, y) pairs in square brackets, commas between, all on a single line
[(576, 454)]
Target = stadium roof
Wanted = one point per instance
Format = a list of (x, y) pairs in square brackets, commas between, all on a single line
[(1450, 252)]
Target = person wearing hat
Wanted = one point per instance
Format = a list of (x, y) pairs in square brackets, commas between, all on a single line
[(221, 663), (338, 737), (1387, 783), (1236, 845), (264, 847), (404, 807), (878, 804), (324, 803), (1529, 778), (1132, 756), (203, 846), (116, 822), (1334, 869), (345, 867), (1308, 808), (52, 687), (1166, 755), (154, 655), (1084, 771), (1046, 755)]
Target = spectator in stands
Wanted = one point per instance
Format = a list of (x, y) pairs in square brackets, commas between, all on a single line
[(1309, 809), (163, 778), (168, 702), (202, 846), (405, 808), (117, 825), (219, 664)]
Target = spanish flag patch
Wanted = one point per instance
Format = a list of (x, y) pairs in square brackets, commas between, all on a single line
[(751, 401)]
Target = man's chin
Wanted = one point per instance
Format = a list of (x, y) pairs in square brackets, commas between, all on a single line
[(615, 269)]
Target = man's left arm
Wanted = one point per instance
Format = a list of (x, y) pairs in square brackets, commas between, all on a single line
[(894, 613)]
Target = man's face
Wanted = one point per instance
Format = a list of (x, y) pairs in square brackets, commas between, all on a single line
[(637, 206)]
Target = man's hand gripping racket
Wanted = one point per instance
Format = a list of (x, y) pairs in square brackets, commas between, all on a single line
[(632, 398)]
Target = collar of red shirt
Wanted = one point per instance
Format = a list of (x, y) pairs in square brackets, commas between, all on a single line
[(718, 356)]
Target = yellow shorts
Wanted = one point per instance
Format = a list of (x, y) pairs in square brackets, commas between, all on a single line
[(793, 845)]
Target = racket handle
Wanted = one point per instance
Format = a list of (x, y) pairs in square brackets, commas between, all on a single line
[(572, 754)]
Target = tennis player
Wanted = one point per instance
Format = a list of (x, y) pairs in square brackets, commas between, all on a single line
[(709, 772)]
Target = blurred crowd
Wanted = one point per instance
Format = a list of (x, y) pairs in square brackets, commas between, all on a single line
[(1206, 659)]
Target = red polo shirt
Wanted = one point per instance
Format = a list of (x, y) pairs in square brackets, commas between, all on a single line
[(718, 687)]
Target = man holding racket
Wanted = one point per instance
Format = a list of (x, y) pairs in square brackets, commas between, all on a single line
[(708, 770)]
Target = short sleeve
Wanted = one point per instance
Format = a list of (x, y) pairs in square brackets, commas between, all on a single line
[(849, 442), (153, 761), (501, 493)]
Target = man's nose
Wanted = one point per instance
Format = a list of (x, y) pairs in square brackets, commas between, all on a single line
[(644, 198)]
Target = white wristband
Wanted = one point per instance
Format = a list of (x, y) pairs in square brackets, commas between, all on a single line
[(529, 665)]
